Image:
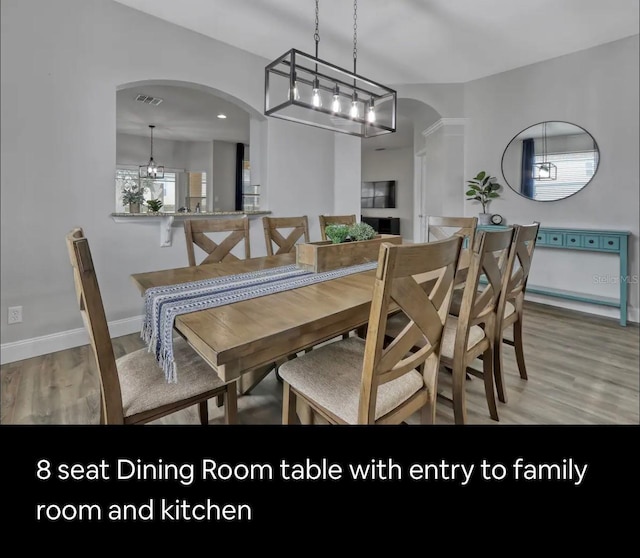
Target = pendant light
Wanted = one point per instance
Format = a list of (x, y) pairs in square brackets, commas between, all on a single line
[(303, 88), (544, 170), (151, 169)]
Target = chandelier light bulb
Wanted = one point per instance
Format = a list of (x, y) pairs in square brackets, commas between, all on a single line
[(353, 112), (316, 101), (296, 93), (371, 114), (335, 104), (544, 171)]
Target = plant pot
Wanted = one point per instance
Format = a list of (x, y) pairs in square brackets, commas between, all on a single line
[(484, 218), (134, 208)]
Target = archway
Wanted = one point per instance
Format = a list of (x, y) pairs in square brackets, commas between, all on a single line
[(401, 157), (201, 137)]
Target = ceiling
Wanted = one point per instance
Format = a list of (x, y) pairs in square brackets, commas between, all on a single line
[(409, 41), (185, 114)]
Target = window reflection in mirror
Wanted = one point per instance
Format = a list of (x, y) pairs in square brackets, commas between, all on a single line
[(550, 161)]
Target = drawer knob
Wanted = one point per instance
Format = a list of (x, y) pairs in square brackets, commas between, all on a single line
[(591, 242), (555, 238), (573, 240), (539, 238), (611, 243)]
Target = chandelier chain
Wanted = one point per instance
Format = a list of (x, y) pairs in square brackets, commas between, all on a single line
[(316, 35), (355, 33)]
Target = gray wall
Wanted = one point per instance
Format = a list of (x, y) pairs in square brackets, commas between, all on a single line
[(392, 164), (61, 65), (598, 90)]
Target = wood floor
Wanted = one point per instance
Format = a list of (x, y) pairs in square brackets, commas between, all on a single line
[(583, 369)]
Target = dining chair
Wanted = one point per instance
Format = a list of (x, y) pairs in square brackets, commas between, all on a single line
[(326, 220), (272, 234), (439, 228), (471, 334), (133, 389), (511, 311), (195, 232), (356, 381)]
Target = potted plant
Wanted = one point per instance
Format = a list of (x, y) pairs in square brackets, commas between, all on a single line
[(133, 196), (337, 233), (483, 188), (345, 233), (362, 231), (154, 205)]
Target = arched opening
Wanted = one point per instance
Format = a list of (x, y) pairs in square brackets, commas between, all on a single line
[(200, 139), (397, 163)]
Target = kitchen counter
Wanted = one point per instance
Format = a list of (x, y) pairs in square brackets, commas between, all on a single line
[(167, 221)]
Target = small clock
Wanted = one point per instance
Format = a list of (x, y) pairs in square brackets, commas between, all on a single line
[(496, 219)]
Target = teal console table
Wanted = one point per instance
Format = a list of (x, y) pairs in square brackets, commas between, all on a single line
[(587, 240)]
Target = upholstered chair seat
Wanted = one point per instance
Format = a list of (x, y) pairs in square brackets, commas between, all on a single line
[(143, 385), (337, 388)]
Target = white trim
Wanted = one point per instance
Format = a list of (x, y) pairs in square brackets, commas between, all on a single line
[(444, 122), (36, 346)]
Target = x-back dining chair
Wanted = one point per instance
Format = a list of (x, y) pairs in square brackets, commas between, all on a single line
[(356, 381), (471, 334), (475, 327), (439, 228), (272, 234), (195, 232), (326, 220), (511, 310), (133, 389)]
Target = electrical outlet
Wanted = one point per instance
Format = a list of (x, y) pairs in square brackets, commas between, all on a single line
[(15, 314)]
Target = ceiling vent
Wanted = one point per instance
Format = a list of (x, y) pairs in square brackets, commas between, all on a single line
[(155, 101)]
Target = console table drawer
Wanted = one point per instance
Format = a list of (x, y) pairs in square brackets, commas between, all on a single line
[(542, 238), (590, 241), (611, 243), (554, 239), (573, 240)]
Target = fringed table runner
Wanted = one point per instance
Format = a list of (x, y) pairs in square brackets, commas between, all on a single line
[(163, 304)]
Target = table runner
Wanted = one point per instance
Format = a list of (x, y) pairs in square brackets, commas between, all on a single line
[(163, 304)]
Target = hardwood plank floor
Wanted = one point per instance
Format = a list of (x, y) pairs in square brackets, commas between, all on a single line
[(583, 369)]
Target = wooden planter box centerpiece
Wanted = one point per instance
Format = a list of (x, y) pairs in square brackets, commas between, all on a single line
[(325, 255)]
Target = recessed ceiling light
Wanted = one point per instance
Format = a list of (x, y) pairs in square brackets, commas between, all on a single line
[(222, 115)]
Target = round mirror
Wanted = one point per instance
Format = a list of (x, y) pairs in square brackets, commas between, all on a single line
[(550, 161)]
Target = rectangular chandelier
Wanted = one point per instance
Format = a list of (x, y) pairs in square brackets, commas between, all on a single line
[(305, 89), (545, 171)]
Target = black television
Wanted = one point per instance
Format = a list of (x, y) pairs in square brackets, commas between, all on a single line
[(378, 194)]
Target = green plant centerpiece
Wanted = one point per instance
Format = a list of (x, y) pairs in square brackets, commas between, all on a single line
[(345, 233), (337, 233), (132, 195), (483, 188), (154, 205), (361, 231)]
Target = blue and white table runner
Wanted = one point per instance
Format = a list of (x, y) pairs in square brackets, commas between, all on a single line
[(163, 304)]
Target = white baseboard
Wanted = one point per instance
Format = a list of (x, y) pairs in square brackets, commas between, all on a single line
[(28, 348), (606, 312)]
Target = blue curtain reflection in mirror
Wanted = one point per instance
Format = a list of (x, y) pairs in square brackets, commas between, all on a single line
[(528, 156)]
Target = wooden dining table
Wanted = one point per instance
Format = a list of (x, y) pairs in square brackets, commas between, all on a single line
[(251, 334)]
